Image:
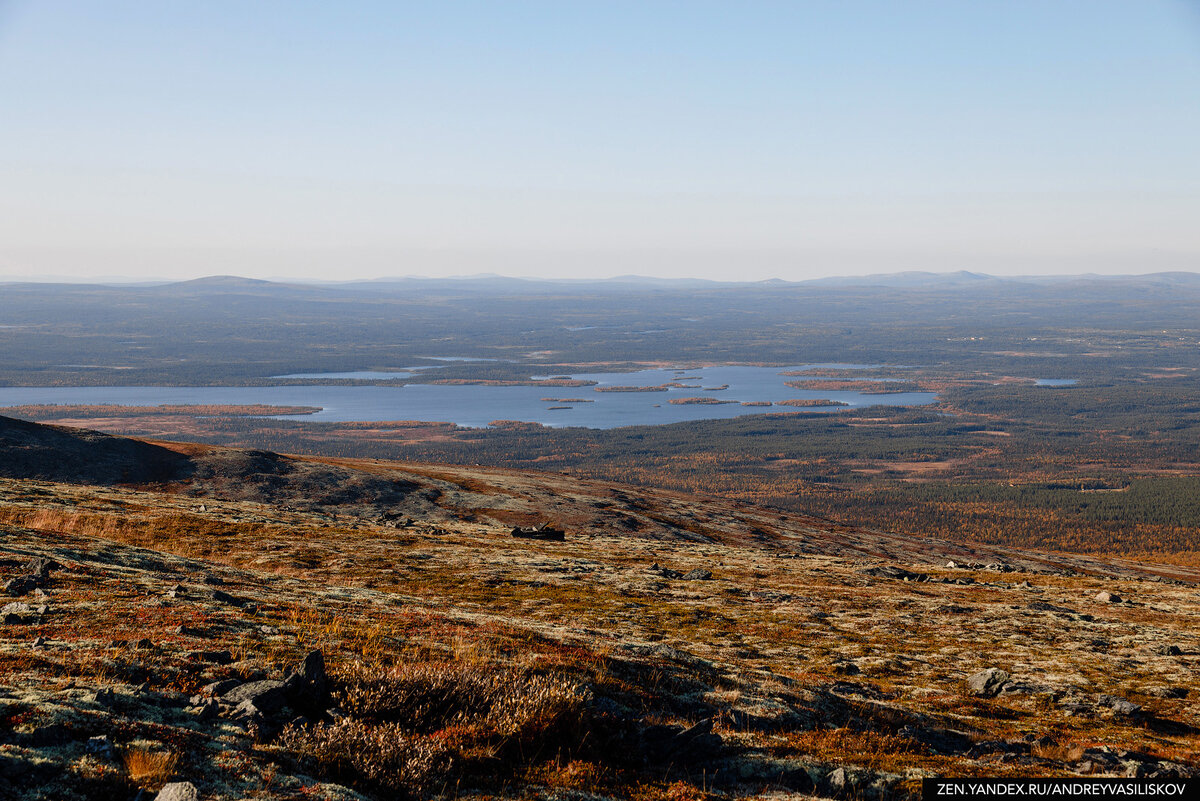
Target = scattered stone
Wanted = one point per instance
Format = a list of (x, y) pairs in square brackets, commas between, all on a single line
[(266, 695), (1167, 650), (220, 596), (41, 566), (16, 613), (312, 668), (545, 533), (1167, 692), (178, 791), (99, 747), (1017, 687), (39, 642), (1106, 597), (219, 687), (697, 575), (207, 710), (307, 685), (987, 683), (22, 585), (216, 657), (839, 781), (897, 573), (1120, 707)]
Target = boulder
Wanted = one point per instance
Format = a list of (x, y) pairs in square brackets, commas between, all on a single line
[(1120, 707), (99, 747), (178, 791), (897, 573), (987, 683), (41, 567), (220, 596), (266, 695), (22, 585), (544, 533), (839, 781), (697, 575), (219, 687), (1106, 597), (16, 613), (307, 685)]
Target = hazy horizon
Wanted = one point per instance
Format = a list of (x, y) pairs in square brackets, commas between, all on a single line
[(117, 280)]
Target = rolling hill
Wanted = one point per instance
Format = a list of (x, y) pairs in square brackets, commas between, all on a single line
[(272, 626)]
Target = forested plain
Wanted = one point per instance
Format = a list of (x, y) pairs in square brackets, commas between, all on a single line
[(1109, 464)]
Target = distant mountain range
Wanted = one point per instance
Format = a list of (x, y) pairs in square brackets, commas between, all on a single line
[(492, 282)]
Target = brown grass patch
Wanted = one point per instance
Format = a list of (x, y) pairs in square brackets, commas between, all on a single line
[(149, 767)]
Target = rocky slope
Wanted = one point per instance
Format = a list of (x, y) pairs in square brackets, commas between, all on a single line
[(269, 627)]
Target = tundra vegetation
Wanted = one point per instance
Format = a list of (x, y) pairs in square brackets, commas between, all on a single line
[(277, 628), (798, 602)]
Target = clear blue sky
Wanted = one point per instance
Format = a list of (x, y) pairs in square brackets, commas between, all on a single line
[(732, 140)]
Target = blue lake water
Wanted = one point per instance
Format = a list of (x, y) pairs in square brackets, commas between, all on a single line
[(477, 406), (1054, 382)]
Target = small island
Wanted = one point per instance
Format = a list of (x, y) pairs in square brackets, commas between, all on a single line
[(657, 388), (698, 401), (809, 402)]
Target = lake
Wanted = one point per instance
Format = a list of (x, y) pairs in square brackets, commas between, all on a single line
[(478, 405)]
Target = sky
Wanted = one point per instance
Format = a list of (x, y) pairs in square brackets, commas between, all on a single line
[(591, 138)]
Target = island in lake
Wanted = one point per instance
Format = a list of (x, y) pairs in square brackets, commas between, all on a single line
[(698, 401), (808, 402)]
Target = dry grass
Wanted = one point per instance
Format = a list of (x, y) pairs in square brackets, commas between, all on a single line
[(1058, 753), (147, 766), (382, 756), (408, 726)]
